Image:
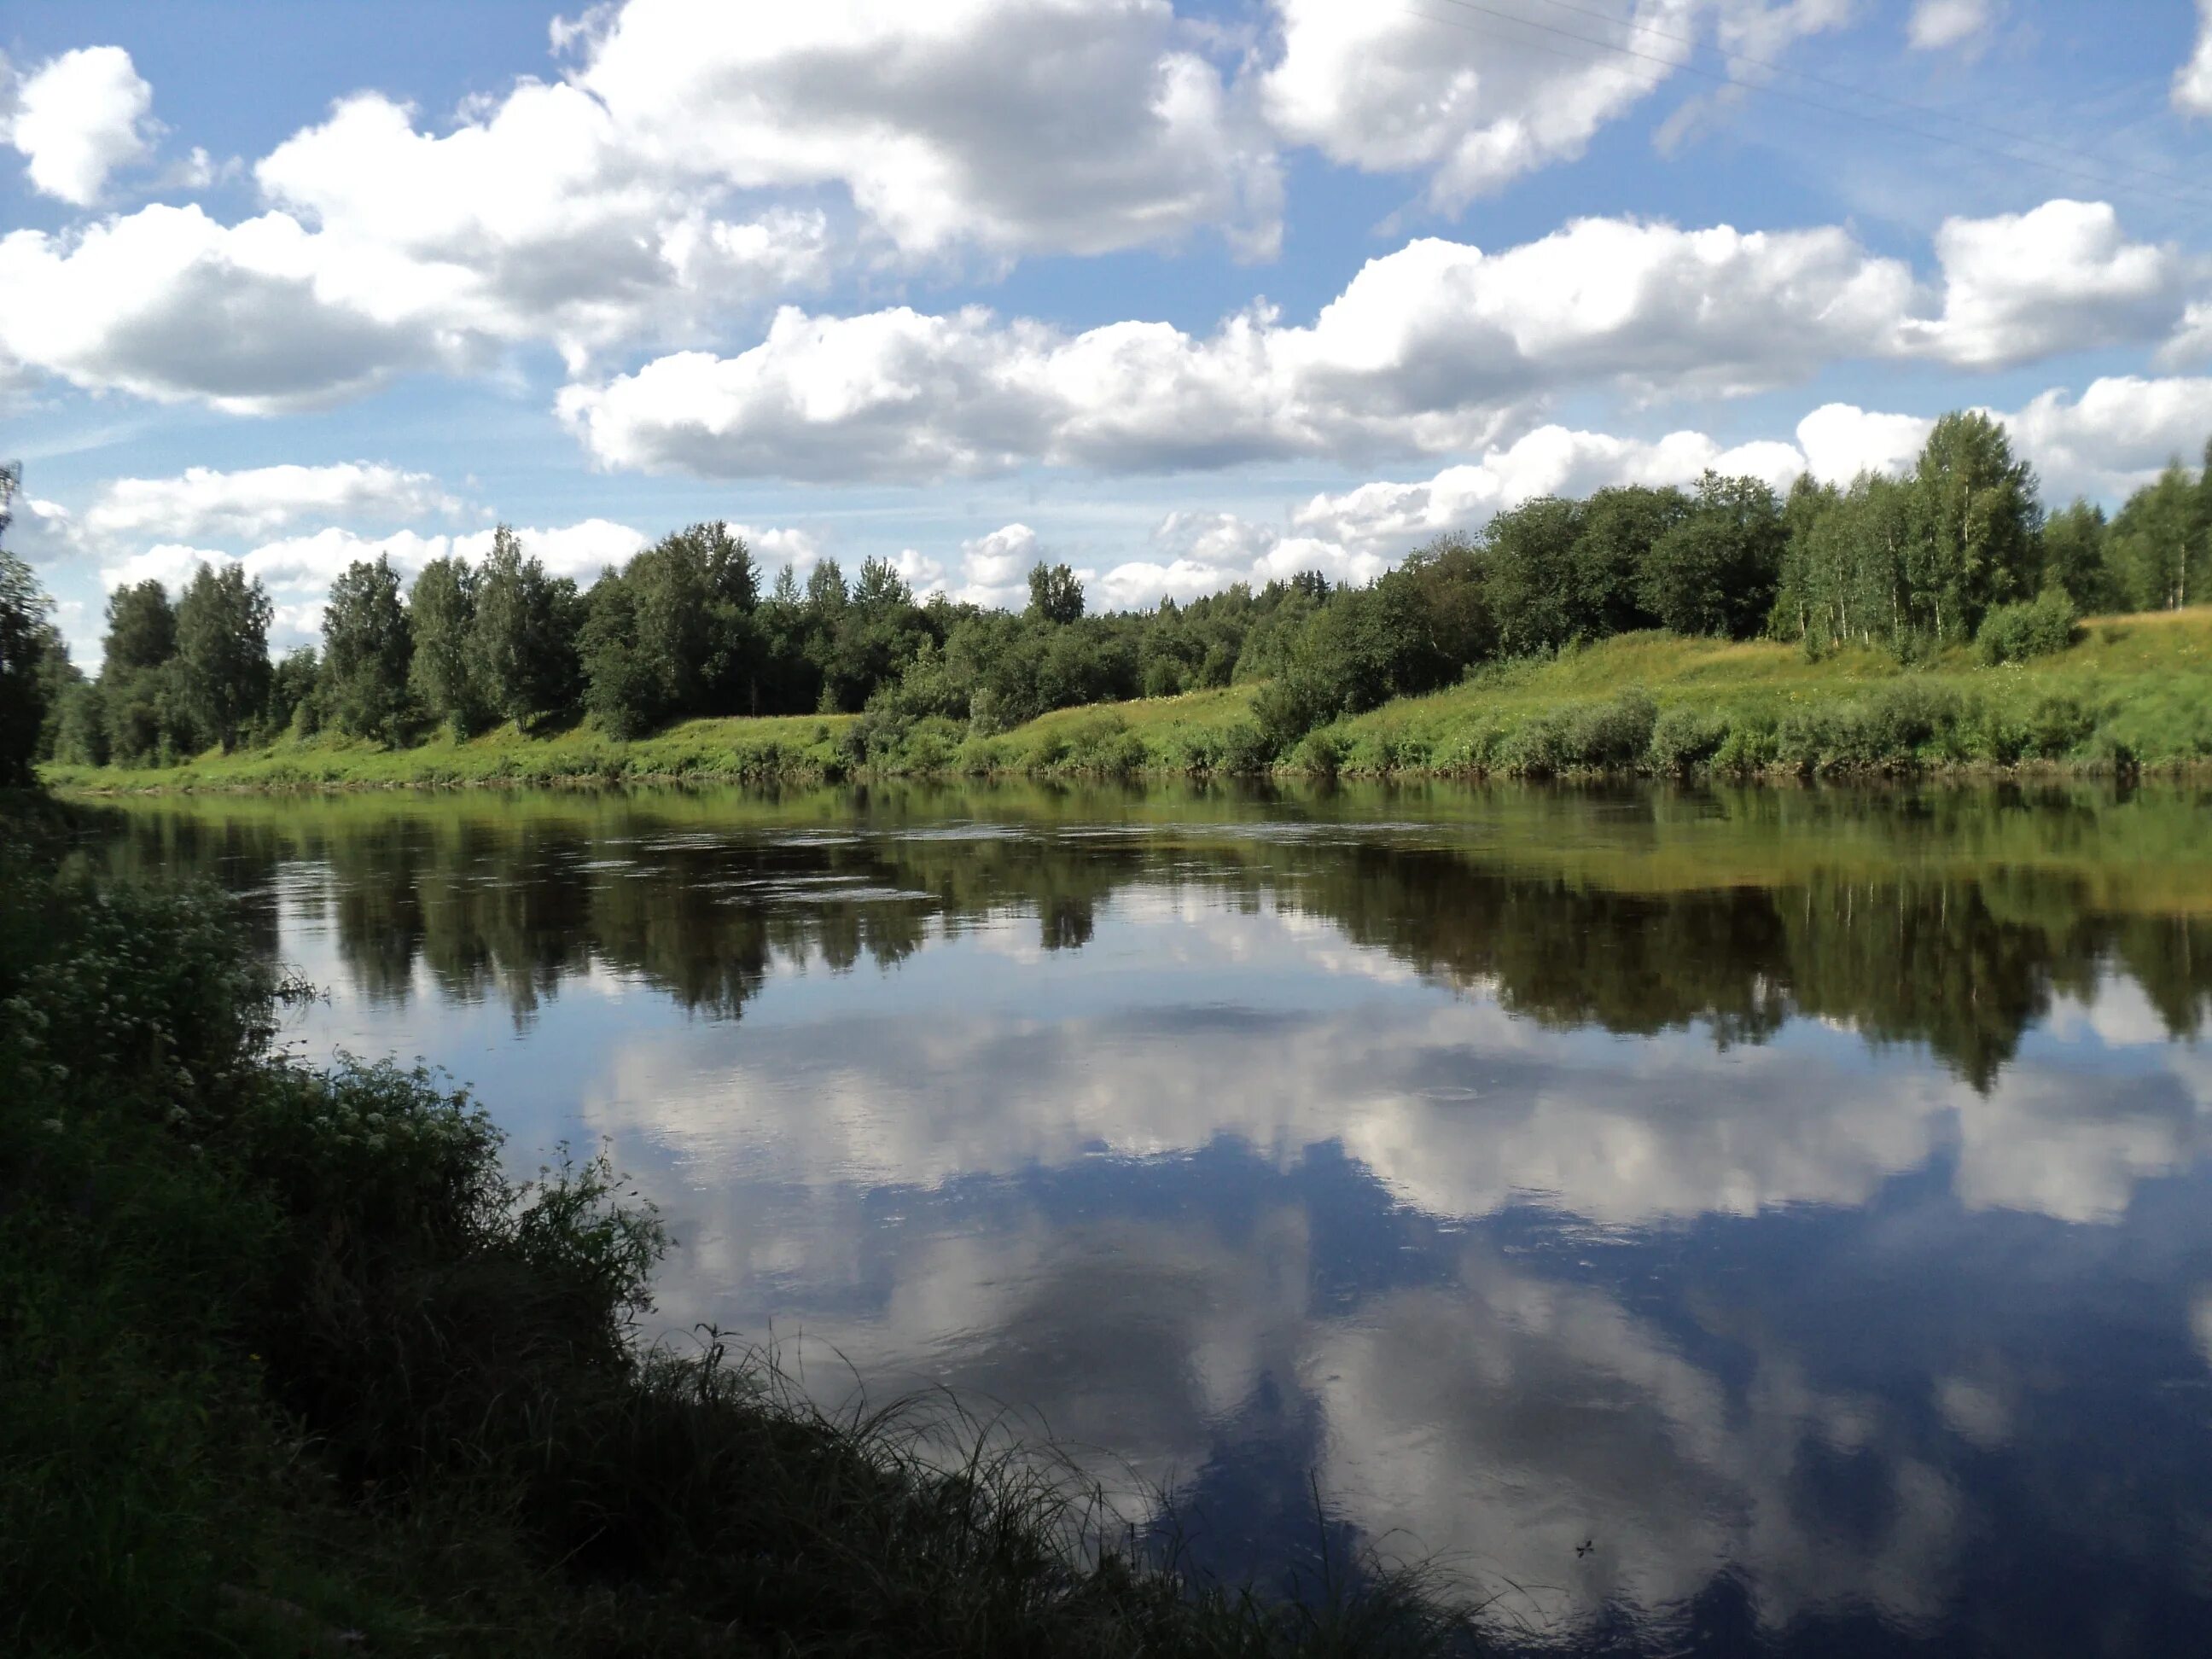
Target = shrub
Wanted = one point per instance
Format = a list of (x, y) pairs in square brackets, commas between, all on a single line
[(1319, 754), (1683, 739), (2041, 627)]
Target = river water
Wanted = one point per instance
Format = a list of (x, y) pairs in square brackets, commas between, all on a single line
[(1761, 1222)]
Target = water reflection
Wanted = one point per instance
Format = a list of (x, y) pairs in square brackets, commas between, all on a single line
[(1751, 1223)]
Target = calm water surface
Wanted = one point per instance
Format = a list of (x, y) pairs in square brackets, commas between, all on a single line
[(1761, 1223)]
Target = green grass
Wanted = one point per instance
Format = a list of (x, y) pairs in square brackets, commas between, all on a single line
[(293, 1365), (2134, 692), (2134, 689)]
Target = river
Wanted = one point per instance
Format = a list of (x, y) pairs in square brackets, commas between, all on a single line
[(1762, 1222)]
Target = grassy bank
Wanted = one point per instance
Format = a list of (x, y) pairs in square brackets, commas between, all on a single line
[(292, 1366), (2132, 692)]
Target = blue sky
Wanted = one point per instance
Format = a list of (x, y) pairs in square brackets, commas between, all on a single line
[(1182, 294)]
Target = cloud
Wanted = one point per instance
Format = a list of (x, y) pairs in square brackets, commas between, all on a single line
[(261, 500), (169, 305), (2114, 436), (1939, 25), (1476, 99), (2192, 82), (1841, 440), (1475, 105), (77, 118), (532, 221), (1433, 348), (2061, 277), (1011, 126), (1439, 346), (994, 567)]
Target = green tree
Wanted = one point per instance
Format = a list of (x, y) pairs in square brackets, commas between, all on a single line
[(223, 645), (625, 690), (293, 683), (1529, 554), (81, 739), (1055, 595), (2162, 542), (23, 640), (1716, 571), (442, 611), (367, 652), (523, 642), (58, 676), (1619, 528), (1975, 521), (141, 704), (2076, 562), (142, 628)]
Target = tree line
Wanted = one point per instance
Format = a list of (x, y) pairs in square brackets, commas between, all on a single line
[(1957, 549)]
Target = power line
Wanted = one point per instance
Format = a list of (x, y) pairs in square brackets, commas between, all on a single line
[(1671, 64)]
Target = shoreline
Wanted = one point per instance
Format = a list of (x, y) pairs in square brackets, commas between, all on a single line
[(2131, 697)]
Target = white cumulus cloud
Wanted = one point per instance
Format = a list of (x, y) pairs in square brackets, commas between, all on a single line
[(1437, 347), (2192, 82), (2061, 277), (259, 502), (79, 116), (1475, 98), (1939, 25)]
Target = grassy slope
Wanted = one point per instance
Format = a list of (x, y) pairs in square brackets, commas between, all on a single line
[(2138, 686), (2148, 676)]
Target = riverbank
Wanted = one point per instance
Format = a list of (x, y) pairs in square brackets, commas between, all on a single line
[(295, 1365), (2132, 693)]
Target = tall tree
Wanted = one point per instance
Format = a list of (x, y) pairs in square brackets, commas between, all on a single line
[(23, 641), (142, 628), (1976, 525), (442, 611), (1529, 554), (1715, 572), (367, 650), (1619, 528), (292, 687), (223, 645), (58, 679), (1055, 595), (522, 644), (2161, 543), (2076, 558), (623, 689)]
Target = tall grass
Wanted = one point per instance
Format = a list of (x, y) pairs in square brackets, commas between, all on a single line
[(292, 1365)]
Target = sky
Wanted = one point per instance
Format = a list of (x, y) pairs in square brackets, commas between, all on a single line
[(1179, 294)]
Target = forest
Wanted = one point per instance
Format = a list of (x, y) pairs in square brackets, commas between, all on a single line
[(1957, 550)]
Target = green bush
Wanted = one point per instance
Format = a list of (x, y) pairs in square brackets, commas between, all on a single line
[(2041, 627), (1319, 754), (1683, 739)]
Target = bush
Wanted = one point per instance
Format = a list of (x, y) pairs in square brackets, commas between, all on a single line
[(2041, 627), (1319, 754), (1683, 739), (1605, 737)]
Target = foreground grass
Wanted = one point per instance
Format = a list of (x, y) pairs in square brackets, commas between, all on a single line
[(2133, 693), (292, 1366)]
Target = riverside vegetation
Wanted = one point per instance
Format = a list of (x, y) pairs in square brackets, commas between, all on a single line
[(1928, 620), (294, 1364)]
